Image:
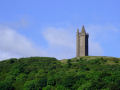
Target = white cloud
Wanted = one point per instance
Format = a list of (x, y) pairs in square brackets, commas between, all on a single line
[(95, 49), (61, 42), (59, 36), (13, 44), (102, 32), (21, 23), (100, 37)]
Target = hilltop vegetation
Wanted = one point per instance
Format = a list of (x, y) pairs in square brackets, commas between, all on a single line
[(43, 73)]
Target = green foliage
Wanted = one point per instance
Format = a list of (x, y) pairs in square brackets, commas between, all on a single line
[(44, 73), (7, 83), (69, 63)]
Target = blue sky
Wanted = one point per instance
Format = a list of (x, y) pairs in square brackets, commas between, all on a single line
[(48, 27)]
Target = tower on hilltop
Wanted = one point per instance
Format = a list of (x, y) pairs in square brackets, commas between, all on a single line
[(82, 43)]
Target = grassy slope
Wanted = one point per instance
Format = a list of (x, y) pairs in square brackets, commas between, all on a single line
[(110, 60)]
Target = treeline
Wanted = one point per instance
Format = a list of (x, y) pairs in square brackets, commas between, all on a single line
[(43, 73)]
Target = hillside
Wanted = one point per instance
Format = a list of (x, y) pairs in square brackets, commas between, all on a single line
[(44, 73)]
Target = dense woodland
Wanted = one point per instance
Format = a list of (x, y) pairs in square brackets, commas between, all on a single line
[(44, 73)]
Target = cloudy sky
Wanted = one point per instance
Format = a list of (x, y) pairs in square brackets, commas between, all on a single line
[(48, 27)]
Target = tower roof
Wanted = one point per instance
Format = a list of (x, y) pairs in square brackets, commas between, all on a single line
[(83, 29)]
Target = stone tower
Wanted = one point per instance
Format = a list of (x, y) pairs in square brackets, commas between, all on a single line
[(82, 43)]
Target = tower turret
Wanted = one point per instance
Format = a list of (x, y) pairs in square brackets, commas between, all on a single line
[(83, 29), (77, 43)]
